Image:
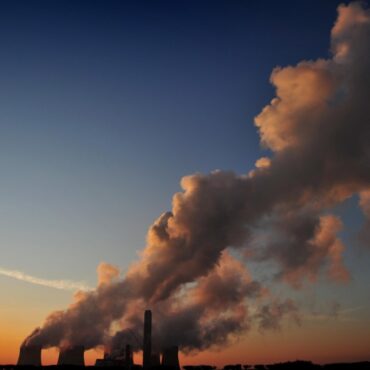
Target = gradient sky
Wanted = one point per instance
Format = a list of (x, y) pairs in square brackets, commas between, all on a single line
[(105, 105)]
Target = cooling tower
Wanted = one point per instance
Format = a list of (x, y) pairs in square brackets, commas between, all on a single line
[(170, 357), (155, 360), (72, 356), (147, 345), (128, 356), (30, 355)]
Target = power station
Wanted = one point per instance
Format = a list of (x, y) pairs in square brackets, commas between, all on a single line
[(31, 355), (170, 358)]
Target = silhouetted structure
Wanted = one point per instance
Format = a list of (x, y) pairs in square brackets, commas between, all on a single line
[(170, 357), (120, 357), (72, 356), (29, 355), (147, 345), (155, 360), (104, 362), (128, 357), (304, 365), (199, 367), (233, 367)]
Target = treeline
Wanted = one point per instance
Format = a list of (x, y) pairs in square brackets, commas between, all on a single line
[(304, 365)]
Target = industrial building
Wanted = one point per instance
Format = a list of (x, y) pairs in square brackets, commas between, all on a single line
[(117, 359), (170, 358)]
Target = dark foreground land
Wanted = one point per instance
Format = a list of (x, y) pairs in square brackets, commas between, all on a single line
[(305, 365)]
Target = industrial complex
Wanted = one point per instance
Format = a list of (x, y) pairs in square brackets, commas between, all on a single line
[(73, 357), (31, 355)]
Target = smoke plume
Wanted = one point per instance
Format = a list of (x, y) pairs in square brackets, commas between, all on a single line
[(269, 315), (318, 131), (303, 244)]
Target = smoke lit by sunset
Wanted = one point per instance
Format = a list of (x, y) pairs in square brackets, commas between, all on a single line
[(185, 183)]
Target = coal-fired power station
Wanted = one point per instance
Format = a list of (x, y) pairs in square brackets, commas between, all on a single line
[(30, 355), (151, 360)]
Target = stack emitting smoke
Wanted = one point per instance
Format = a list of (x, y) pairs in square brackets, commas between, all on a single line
[(147, 345), (72, 356), (29, 355), (170, 357)]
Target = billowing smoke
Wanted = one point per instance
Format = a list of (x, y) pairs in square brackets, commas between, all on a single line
[(304, 244), (365, 205), (201, 315), (318, 130), (269, 315)]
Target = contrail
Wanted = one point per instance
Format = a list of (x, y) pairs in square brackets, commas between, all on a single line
[(56, 284)]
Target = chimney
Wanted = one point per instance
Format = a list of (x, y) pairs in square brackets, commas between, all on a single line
[(29, 355), (72, 356), (147, 345), (170, 358)]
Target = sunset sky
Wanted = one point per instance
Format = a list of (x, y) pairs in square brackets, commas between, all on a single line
[(107, 105)]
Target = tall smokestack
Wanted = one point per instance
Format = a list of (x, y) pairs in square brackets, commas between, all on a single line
[(170, 358), (72, 356), (29, 355), (147, 346)]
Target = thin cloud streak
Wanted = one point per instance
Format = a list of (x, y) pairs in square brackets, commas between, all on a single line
[(56, 284), (344, 315)]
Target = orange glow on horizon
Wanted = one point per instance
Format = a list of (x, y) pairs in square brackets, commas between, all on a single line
[(319, 342)]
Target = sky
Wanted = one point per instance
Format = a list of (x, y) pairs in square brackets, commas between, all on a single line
[(105, 106)]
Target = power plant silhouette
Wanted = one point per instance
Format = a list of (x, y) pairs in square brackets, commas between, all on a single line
[(31, 355), (72, 356), (147, 345), (168, 359)]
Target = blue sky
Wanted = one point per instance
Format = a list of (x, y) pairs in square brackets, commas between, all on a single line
[(106, 105)]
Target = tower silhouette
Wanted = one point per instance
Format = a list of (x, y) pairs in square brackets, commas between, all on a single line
[(147, 345)]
